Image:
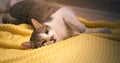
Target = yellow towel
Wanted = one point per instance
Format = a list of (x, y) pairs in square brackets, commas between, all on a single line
[(84, 48)]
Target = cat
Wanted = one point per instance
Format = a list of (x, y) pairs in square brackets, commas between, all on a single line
[(52, 22)]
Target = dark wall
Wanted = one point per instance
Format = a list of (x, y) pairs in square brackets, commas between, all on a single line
[(105, 5)]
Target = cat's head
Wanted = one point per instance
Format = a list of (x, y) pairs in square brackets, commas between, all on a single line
[(41, 36)]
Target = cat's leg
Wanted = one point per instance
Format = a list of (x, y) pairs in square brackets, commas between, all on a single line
[(9, 19), (71, 20)]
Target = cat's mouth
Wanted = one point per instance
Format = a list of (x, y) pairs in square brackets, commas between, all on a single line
[(53, 39)]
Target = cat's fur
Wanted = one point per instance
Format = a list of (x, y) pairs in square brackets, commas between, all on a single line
[(52, 22), (26, 10)]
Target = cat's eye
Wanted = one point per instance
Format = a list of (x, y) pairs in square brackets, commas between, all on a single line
[(43, 42), (46, 31)]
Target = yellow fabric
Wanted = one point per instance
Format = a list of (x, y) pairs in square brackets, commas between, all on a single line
[(84, 48)]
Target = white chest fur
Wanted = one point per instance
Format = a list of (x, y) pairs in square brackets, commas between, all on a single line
[(58, 25)]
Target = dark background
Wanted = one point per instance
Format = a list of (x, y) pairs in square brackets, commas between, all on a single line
[(104, 5)]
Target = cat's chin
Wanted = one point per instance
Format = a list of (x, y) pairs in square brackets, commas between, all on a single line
[(53, 41)]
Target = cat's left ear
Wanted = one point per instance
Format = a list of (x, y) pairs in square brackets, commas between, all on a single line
[(36, 23), (27, 45)]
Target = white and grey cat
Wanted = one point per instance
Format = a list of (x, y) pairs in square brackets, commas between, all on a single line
[(52, 22)]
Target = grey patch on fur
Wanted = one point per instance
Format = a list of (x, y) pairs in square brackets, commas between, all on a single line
[(105, 30), (99, 30)]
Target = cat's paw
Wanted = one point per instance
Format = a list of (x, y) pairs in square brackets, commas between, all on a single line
[(105, 30)]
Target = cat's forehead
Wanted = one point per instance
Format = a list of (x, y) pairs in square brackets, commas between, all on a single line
[(43, 28)]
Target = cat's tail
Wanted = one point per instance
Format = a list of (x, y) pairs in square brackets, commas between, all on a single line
[(99, 30)]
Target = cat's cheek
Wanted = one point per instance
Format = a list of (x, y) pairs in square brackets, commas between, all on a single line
[(53, 33)]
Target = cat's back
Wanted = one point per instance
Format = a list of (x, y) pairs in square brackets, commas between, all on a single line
[(26, 10)]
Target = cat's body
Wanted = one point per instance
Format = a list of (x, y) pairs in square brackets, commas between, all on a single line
[(57, 22)]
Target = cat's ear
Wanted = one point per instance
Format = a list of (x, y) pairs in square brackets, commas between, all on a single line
[(27, 45), (36, 24)]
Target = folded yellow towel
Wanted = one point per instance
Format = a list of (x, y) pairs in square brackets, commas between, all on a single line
[(84, 48)]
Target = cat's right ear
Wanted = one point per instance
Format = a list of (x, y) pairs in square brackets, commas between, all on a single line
[(36, 24)]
